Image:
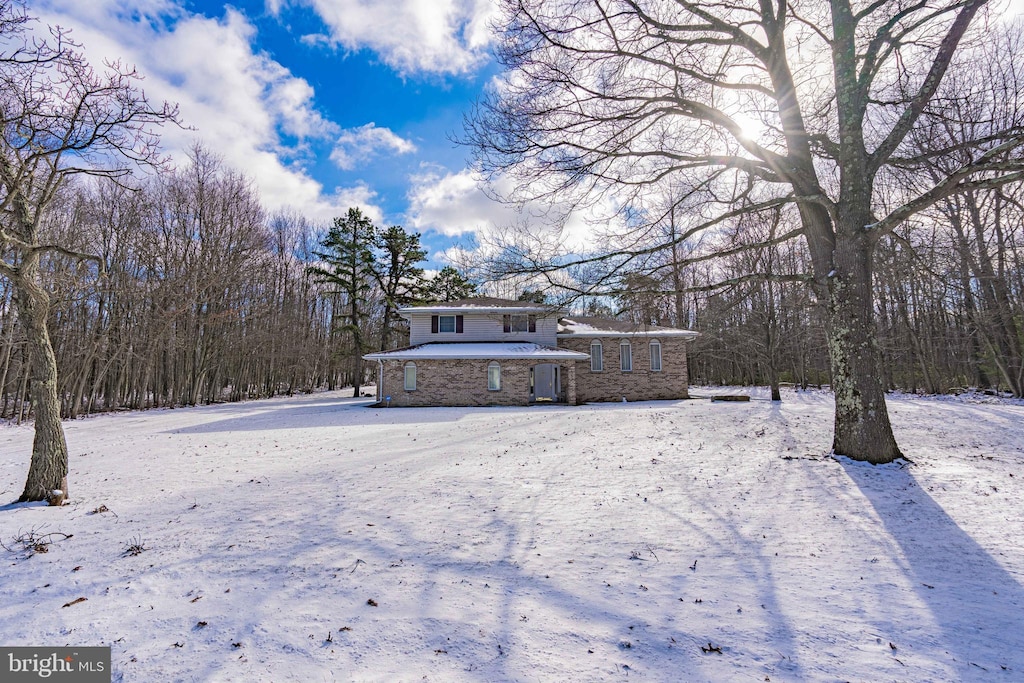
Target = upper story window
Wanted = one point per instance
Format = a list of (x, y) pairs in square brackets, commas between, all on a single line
[(596, 357), (446, 323), (519, 323), (625, 356), (655, 356)]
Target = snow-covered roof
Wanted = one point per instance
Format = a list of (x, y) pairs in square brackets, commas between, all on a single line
[(602, 327), (482, 304), (477, 350)]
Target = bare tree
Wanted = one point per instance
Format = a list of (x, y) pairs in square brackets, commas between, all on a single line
[(60, 118), (204, 298), (749, 105)]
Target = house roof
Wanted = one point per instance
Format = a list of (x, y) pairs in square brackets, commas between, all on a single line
[(477, 351), (481, 304), (603, 327)]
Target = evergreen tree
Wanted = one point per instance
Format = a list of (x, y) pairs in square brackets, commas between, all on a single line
[(534, 296), (398, 274), (348, 265), (450, 285)]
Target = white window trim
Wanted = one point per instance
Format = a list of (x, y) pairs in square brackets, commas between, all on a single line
[(656, 344), (405, 376), (599, 357), (454, 329), (627, 359), (494, 365)]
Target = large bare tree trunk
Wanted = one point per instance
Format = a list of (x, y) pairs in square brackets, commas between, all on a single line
[(48, 469), (862, 428)]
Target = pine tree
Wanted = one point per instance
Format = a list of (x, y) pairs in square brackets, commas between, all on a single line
[(398, 274), (348, 265), (450, 285), (534, 296)]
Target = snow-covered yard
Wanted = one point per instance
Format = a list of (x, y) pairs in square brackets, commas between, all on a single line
[(316, 539)]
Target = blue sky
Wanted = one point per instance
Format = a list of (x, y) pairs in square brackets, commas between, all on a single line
[(326, 104)]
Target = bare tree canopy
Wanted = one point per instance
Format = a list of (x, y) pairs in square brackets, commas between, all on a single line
[(59, 118), (727, 109)]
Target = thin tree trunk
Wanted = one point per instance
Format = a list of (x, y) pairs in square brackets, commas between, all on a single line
[(48, 469), (8, 347)]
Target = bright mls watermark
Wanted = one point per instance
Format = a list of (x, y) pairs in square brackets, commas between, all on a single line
[(59, 664)]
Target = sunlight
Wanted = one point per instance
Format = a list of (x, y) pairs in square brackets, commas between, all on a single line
[(751, 128)]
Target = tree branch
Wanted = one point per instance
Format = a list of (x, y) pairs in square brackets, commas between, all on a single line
[(928, 88)]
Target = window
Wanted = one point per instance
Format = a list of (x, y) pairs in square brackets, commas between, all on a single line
[(494, 376), (410, 377), (596, 357), (625, 356), (446, 323), (519, 323), (655, 356)]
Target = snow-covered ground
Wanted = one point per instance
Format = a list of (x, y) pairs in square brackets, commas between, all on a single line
[(316, 539)]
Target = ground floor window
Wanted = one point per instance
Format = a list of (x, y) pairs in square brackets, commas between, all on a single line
[(655, 356), (596, 357), (625, 356), (494, 376), (410, 377)]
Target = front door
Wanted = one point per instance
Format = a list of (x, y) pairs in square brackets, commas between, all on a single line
[(545, 382)]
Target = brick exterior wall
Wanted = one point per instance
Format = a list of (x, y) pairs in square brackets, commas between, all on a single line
[(611, 384), (459, 382)]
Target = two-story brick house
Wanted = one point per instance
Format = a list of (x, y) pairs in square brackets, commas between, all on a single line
[(486, 351)]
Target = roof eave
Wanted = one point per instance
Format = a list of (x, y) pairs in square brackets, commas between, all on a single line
[(477, 351), (564, 355), (547, 312), (687, 334)]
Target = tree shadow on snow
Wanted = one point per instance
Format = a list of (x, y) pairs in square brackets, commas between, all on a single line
[(267, 417), (975, 601), (346, 568)]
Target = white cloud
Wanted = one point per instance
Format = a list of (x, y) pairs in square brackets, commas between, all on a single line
[(363, 143), (411, 36), (242, 104), (455, 204), (360, 196)]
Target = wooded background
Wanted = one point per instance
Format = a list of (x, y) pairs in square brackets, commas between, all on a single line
[(207, 297)]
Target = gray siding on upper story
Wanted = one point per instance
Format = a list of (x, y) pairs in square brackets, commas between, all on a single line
[(482, 327)]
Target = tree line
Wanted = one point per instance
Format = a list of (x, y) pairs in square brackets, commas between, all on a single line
[(948, 297), (202, 296), (206, 297)]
